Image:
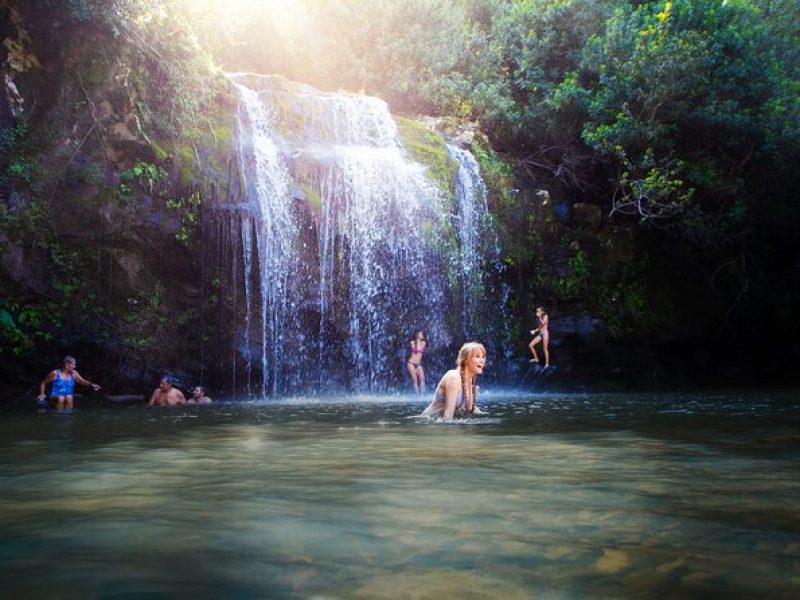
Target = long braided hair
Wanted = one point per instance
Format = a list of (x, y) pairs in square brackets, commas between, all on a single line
[(467, 351)]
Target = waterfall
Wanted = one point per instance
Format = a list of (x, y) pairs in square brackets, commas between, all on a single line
[(348, 246), (274, 234), (471, 222)]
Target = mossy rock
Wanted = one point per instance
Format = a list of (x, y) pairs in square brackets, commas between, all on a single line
[(187, 165), (429, 149), (160, 153)]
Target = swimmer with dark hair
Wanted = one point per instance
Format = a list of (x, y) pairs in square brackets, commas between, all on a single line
[(166, 394), (199, 396)]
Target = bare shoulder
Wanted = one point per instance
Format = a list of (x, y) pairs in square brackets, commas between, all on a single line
[(452, 377)]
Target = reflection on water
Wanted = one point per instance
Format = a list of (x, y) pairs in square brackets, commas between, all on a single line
[(616, 496)]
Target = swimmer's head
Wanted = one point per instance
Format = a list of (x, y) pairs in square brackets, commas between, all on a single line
[(198, 390), (469, 350), (69, 361), (166, 381)]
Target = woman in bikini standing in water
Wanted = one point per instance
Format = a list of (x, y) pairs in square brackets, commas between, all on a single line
[(414, 364), (457, 391)]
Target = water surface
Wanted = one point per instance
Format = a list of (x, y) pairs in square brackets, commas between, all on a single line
[(548, 496)]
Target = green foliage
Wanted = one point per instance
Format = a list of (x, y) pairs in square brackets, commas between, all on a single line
[(20, 170), (145, 174), (493, 169), (652, 192), (507, 206), (142, 176), (623, 299), (12, 339), (575, 282), (681, 95), (187, 208), (24, 325), (123, 194), (21, 166), (143, 321), (539, 42)]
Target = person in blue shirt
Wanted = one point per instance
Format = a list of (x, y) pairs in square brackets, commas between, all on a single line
[(63, 382)]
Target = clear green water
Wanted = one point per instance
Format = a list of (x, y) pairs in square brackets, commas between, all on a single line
[(572, 496)]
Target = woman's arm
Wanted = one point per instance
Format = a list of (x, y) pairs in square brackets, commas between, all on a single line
[(83, 381), (49, 379)]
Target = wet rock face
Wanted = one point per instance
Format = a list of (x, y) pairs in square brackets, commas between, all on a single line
[(26, 268), (582, 325)]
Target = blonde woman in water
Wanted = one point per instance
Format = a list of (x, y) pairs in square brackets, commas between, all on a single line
[(457, 392)]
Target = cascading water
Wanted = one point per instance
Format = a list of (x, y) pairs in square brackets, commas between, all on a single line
[(348, 246), (271, 229), (473, 227)]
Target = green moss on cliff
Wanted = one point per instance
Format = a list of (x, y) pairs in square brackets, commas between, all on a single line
[(160, 153), (223, 135), (186, 154), (428, 148)]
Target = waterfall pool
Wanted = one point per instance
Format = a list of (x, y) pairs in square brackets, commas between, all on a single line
[(548, 496)]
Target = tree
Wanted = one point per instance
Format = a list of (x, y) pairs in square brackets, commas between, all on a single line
[(680, 98)]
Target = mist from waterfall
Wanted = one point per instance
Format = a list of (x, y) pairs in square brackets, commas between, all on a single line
[(348, 246)]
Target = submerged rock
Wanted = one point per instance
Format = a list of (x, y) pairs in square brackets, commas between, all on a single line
[(612, 561)]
